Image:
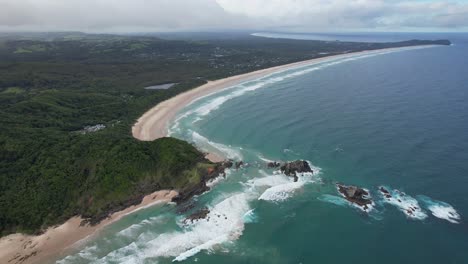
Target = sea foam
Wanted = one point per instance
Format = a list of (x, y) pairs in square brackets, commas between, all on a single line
[(440, 209), (222, 224), (207, 145), (280, 186), (404, 202)]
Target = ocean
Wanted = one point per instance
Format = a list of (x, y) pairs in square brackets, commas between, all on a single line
[(395, 119)]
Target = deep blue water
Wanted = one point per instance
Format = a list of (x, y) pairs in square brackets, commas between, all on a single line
[(396, 119)]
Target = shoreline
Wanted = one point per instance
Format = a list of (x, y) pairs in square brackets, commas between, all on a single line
[(56, 241), (154, 123)]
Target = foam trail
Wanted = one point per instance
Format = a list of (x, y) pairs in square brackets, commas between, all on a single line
[(212, 182), (223, 223), (135, 230), (333, 199), (441, 209), (207, 145), (280, 192), (405, 203), (282, 187), (250, 216)]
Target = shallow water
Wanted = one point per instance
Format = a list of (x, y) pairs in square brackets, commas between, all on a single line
[(397, 119)]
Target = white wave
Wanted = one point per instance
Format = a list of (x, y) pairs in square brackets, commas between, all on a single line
[(87, 254), (369, 207), (214, 181), (223, 223), (405, 203), (282, 186), (130, 254), (265, 159), (268, 180), (130, 231), (207, 145), (135, 230), (280, 192), (250, 216), (243, 88), (441, 209)]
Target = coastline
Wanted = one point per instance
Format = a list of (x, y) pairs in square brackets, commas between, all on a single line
[(154, 123), (56, 241)]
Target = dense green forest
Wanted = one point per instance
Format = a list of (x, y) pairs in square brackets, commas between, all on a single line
[(56, 87)]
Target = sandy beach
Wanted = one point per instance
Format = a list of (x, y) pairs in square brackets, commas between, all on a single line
[(57, 241), (155, 122)]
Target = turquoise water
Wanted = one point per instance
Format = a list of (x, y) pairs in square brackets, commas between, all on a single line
[(396, 119)]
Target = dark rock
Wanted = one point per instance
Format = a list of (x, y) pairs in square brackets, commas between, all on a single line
[(384, 191), (185, 207), (197, 189), (294, 167), (189, 192), (355, 195), (227, 164), (239, 164), (273, 164), (200, 214)]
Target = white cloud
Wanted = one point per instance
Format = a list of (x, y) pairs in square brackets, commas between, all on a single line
[(176, 15)]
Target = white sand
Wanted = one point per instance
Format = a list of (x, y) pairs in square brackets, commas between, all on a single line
[(19, 248)]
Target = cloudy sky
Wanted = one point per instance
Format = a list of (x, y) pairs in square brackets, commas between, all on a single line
[(255, 15)]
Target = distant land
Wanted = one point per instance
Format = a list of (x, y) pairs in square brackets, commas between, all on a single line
[(68, 102)]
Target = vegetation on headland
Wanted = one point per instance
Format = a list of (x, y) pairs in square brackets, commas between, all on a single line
[(53, 86)]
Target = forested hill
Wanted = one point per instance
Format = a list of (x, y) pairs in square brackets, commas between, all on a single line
[(68, 101)]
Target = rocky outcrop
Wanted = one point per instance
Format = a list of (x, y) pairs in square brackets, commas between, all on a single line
[(199, 188), (385, 192), (273, 164), (294, 167), (199, 214), (355, 195)]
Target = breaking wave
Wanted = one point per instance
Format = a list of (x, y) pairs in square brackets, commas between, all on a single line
[(213, 101), (405, 203), (440, 209), (210, 146)]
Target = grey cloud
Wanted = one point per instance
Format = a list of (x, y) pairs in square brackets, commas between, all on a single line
[(176, 15)]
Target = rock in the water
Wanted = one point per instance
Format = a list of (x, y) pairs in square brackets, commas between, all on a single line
[(227, 164), (294, 167), (273, 164), (200, 214), (355, 195), (239, 164), (385, 192)]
